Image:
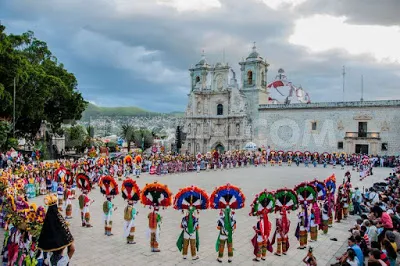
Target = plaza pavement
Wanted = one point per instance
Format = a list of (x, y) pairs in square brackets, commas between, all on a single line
[(94, 248)]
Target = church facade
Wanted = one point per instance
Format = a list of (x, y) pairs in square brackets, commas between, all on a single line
[(225, 115)]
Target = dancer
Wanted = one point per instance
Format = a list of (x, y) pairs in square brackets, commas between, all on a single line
[(282, 233), (226, 198), (109, 188), (315, 221), (190, 227), (83, 183), (325, 216), (302, 227), (285, 200), (226, 225), (339, 205), (60, 196), (190, 199), (155, 195), (307, 194), (131, 193), (68, 202), (262, 205)]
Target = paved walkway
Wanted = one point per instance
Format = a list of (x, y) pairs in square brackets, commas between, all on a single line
[(93, 248)]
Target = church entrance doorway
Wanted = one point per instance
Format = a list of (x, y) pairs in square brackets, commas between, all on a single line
[(362, 148), (220, 148)]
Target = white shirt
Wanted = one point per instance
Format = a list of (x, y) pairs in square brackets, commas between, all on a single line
[(355, 262), (373, 197)]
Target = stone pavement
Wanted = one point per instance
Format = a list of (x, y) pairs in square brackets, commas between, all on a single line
[(93, 248)]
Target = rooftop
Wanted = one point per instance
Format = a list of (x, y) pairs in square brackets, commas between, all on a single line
[(354, 104)]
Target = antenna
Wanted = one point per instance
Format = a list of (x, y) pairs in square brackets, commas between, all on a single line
[(362, 88), (343, 74), (223, 56)]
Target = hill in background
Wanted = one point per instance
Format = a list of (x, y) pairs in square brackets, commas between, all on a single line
[(94, 111)]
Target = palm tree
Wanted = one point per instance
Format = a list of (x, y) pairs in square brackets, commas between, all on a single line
[(127, 133)]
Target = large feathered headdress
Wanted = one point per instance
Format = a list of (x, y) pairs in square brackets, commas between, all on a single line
[(156, 195), (227, 196), (130, 190), (83, 182), (191, 197), (108, 186)]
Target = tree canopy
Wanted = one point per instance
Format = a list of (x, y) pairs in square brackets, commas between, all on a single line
[(45, 90)]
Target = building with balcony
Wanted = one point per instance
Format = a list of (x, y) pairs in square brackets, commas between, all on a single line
[(371, 127)]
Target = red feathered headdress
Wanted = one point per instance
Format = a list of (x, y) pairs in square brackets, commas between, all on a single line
[(108, 186), (83, 182), (130, 190)]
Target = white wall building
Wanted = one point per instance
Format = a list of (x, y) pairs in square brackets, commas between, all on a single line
[(223, 115)]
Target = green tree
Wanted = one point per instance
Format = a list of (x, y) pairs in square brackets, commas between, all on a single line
[(143, 138), (6, 141), (45, 90), (76, 137), (128, 134)]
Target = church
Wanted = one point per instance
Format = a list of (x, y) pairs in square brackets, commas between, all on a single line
[(223, 114)]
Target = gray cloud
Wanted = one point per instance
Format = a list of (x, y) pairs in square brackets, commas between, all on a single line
[(368, 12), (137, 52)]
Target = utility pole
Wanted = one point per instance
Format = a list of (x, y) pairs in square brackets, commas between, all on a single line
[(343, 74), (14, 109), (362, 88)]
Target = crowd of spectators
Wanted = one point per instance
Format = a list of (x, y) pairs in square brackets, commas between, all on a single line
[(375, 238)]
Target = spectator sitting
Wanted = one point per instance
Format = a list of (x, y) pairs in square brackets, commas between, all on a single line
[(390, 252), (374, 258), (371, 231), (382, 255), (383, 221), (359, 254)]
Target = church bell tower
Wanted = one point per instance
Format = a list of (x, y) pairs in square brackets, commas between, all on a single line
[(254, 82)]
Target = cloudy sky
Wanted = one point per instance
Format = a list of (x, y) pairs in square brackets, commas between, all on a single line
[(137, 52)]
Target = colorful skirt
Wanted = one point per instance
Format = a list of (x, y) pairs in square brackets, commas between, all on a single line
[(314, 233)]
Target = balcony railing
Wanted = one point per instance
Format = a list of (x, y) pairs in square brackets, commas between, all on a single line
[(362, 135)]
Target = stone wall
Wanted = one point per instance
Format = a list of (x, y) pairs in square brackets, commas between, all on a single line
[(289, 127)]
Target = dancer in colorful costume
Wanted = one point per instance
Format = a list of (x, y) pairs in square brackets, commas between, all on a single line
[(138, 165), (307, 194), (225, 198), (131, 193), (68, 197), (109, 188), (262, 206), (60, 196), (317, 216), (315, 221), (83, 183), (155, 195), (190, 199), (285, 200), (330, 184), (55, 235), (339, 206)]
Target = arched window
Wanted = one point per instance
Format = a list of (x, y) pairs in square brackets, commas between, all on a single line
[(197, 79), (220, 109), (250, 77)]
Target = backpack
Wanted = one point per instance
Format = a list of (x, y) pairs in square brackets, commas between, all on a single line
[(81, 200), (128, 213), (106, 208)]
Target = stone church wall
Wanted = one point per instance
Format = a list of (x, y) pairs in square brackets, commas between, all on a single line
[(289, 127)]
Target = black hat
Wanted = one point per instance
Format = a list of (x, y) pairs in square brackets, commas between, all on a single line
[(55, 234)]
